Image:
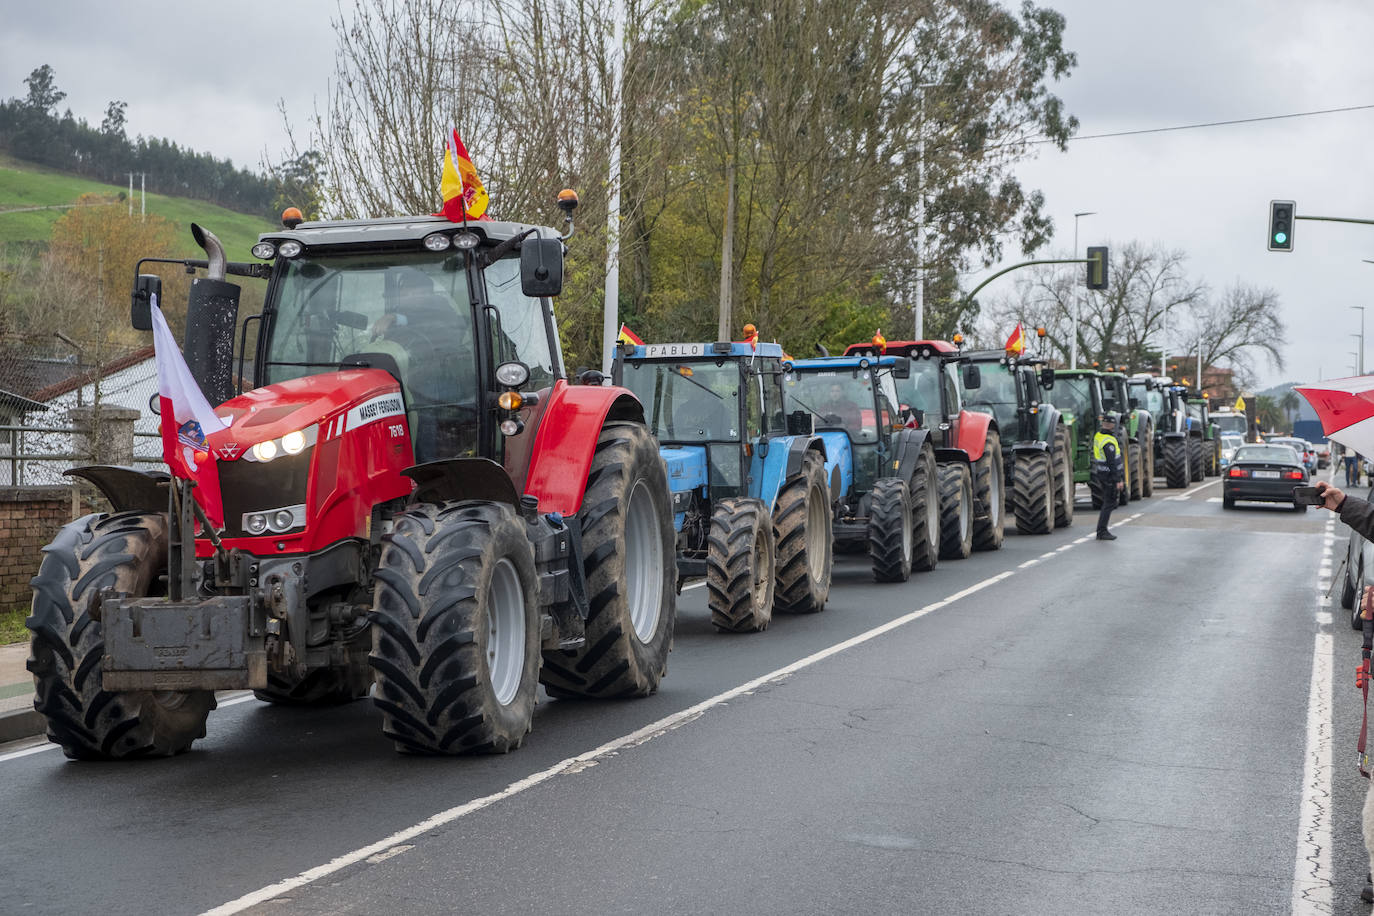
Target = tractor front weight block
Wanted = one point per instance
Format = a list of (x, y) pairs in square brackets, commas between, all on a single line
[(209, 644)]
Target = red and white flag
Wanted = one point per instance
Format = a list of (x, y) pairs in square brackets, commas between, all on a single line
[(187, 419)]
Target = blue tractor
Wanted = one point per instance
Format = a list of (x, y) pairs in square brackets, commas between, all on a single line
[(883, 478), (751, 500)]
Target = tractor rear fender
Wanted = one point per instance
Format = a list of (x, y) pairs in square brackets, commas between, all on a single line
[(1029, 446), (127, 489), (462, 478), (1048, 418), (906, 451), (566, 441), (839, 463), (973, 432), (781, 464), (952, 456)]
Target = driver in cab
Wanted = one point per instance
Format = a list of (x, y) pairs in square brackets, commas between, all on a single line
[(840, 407)]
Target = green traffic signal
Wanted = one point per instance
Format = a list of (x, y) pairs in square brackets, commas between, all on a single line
[(1282, 214), (1280, 238)]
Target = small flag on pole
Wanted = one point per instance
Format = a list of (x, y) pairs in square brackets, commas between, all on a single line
[(187, 419), (1016, 343), (628, 337), (463, 192)]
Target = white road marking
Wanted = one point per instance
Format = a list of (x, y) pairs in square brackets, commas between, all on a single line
[(588, 758), (1030, 563), (1312, 876), (1214, 499)]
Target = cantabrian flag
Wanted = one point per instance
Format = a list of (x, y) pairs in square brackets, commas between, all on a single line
[(187, 418), (463, 192), (1016, 343), (628, 337)]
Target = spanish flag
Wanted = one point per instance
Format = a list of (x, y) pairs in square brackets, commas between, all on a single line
[(628, 337), (463, 193), (1016, 343)]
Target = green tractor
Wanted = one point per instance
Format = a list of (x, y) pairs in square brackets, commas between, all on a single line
[(1138, 425), (1164, 401), (1204, 456), (1079, 395)]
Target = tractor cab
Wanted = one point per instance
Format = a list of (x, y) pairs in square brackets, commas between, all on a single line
[(1009, 389)]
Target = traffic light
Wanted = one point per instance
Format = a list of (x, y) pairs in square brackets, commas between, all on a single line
[(1097, 267), (1281, 221)]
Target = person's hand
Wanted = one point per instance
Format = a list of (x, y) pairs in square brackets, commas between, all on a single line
[(1121, 485), (383, 325), (1367, 603), (1330, 496)]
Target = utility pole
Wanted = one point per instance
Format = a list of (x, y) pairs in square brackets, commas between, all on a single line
[(1073, 345), (143, 196), (131, 195), (610, 321), (1360, 362), (920, 308)]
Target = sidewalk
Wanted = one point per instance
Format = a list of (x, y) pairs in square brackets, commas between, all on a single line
[(17, 716)]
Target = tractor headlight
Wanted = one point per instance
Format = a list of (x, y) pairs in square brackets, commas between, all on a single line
[(293, 443), (265, 451), (255, 522), (282, 520), (265, 250), (290, 248)]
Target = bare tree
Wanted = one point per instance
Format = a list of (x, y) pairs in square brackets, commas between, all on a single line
[(1239, 327)]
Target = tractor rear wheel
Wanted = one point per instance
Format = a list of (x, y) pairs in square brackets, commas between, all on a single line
[(889, 530), (123, 553), (1175, 455), (628, 559), (1032, 494), (739, 566), (1063, 478), (925, 511), (988, 481), (804, 539), (1137, 463), (1196, 466), (956, 511), (455, 630)]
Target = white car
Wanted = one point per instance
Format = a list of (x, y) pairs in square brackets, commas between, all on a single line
[(1229, 443)]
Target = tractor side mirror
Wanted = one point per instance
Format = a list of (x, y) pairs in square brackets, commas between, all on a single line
[(973, 378), (541, 267), (901, 368), (1047, 378), (140, 310), (801, 423)]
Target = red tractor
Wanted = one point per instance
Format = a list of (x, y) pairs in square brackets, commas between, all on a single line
[(416, 505), (969, 451)]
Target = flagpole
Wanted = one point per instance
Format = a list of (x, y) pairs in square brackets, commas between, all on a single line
[(610, 322)]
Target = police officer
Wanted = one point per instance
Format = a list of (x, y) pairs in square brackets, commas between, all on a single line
[(1108, 471)]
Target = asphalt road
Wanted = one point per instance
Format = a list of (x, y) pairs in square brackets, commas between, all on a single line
[(1163, 724)]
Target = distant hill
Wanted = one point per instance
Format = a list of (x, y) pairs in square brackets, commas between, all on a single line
[(32, 199)]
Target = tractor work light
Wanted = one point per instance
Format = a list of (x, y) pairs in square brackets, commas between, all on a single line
[(290, 248), (512, 427), (437, 241), (466, 240), (265, 251), (512, 374)]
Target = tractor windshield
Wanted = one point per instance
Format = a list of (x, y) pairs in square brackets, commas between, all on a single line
[(1112, 401), (687, 401), (996, 395), (1073, 394), (837, 400), (1230, 423), (406, 313), (921, 390)]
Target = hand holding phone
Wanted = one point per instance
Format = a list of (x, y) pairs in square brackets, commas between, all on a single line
[(1306, 496)]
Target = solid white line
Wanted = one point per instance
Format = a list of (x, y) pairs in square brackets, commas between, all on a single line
[(575, 764), (1312, 865)]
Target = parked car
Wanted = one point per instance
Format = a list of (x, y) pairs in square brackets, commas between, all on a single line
[(1305, 451), (1324, 454), (1359, 571), (1229, 443), (1264, 473)]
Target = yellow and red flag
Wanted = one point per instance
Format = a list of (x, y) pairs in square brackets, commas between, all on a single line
[(1016, 343), (463, 192), (751, 336), (879, 342), (629, 337)]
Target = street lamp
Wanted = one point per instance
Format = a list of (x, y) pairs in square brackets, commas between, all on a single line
[(1360, 335), (920, 308), (1073, 346)]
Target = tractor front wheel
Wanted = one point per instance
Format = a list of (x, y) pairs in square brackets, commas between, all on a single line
[(123, 553), (1032, 492), (1175, 455), (804, 538), (739, 566), (1133, 455), (889, 530), (455, 630), (956, 511), (627, 557), (1063, 478)]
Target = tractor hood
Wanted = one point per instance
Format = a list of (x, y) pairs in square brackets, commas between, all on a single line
[(273, 411)]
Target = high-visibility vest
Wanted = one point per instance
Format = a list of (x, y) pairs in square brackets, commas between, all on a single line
[(1101, 467)]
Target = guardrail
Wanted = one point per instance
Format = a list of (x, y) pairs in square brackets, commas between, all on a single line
[(18, 455)]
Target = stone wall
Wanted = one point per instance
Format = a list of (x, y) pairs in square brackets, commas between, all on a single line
[(29, 519)]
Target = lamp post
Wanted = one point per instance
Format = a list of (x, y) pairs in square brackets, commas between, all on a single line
[(1360, 361), (920, 307), (1073, 346)]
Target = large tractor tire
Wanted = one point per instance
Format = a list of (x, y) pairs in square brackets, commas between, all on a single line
[(1175, 455), (1197, 466), (889, 530), (319, 686), (956, 511), (988, 481), (122, 553), (1137, 463), (804, 540), (925, 511), (1213, 451), (1032, 494), (628, 557), (1063, 478), (739, 566), (456, 629), (1147, 457)]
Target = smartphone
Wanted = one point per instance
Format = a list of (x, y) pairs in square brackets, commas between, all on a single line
[(1306, 496)]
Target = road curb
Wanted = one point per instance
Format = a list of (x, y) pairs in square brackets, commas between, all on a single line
[(20, 723)]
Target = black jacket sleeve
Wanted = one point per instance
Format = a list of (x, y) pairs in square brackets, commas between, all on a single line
[(1358, 514)]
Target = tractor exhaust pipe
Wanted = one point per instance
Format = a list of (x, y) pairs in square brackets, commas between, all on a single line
[(212, 313)]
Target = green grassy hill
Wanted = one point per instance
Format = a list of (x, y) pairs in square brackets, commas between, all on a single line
[(23, 187)]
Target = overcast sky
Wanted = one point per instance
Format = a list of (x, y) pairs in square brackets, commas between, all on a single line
[(209, 76)]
